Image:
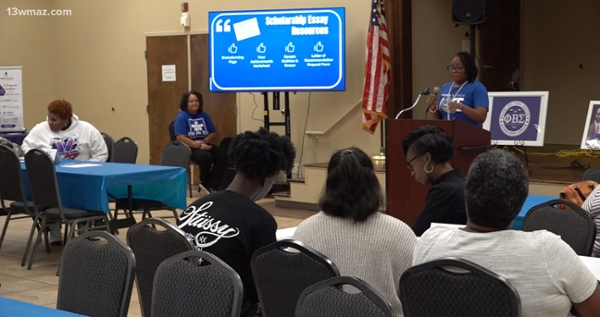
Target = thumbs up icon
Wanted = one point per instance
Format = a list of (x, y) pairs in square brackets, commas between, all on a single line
[(319, 47), (290, 48), (232, 48), (261, 48)]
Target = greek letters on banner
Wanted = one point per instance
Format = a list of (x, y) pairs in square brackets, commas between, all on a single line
[(517, 117), (11, 100)]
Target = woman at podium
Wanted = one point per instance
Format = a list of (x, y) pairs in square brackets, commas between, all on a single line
[(464, 97), (428, 151)]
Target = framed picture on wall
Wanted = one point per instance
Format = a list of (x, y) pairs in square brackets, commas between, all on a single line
[(590, 140), (517, 117)]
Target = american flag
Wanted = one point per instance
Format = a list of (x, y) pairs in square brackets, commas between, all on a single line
[(377, 69)]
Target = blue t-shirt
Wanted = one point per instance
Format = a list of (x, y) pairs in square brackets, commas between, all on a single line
[(471, 94), (195, 127)]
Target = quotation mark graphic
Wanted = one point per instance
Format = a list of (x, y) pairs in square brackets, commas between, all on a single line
[(223, 27)]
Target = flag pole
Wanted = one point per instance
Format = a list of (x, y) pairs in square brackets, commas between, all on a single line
[(381, 155)]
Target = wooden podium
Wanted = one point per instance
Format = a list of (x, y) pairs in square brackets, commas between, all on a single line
[(405, 196)]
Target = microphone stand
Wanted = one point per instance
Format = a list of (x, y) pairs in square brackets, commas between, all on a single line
[(422, 93)]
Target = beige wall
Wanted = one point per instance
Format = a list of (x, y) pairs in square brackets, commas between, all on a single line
[(559, 36), (29, 42), (95, 59)]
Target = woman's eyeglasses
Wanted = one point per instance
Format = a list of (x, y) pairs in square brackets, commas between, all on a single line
[(409, 166), (455, 69)]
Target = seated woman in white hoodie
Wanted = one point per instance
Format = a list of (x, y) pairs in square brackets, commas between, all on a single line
[(71, 138)]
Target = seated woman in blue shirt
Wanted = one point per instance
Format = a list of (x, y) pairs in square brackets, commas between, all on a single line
[(464, 97), (428, 151), (194, 127)]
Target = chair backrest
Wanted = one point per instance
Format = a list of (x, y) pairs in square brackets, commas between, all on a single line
[(185, 288), (574, 225), (151, 247), (42, 179), (176, 154), (11, 182), (280, 275), (592, 174), (125, 151), (96, 279), (110, 144), (327, 298), (456, 287), (172, 131)]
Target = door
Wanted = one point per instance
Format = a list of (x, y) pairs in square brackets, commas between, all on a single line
[(164, 96), (220, 106), (499, 53)]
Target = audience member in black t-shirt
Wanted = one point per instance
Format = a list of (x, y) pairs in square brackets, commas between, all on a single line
[(428, 151), (229, 224)]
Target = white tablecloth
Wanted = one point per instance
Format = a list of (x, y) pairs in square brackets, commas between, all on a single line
[(593, 264)]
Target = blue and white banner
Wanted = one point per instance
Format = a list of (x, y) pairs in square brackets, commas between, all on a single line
[(517, 117), (591, 128), (11, 99)]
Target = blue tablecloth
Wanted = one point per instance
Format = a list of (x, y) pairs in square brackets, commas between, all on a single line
[(15, 308), (531, 201), (14, 137), (88, 187)]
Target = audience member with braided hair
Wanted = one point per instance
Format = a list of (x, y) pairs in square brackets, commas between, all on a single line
[(349, 230), (428, 152), (229, 224)]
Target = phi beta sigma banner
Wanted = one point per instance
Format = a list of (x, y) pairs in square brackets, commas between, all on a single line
[(517, 117)]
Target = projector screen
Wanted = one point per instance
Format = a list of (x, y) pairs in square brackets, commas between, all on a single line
[(277, 50)]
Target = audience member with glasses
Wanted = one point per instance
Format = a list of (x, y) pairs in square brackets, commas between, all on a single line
[(464, 97), (428, 151)]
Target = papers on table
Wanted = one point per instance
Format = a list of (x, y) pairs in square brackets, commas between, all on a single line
[(286, 233), (81, 165)]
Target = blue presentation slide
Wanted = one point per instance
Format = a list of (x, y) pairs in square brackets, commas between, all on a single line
[(277, 50)]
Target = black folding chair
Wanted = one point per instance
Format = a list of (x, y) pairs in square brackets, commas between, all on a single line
[(574, 225), (456, 287), (281, 275), (110, 144), (125, 150), (96, 279), (329, 299), (185, 286), (11, 189), (45, 192), (165, 244)]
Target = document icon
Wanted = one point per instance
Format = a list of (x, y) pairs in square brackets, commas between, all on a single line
[(246, 29)]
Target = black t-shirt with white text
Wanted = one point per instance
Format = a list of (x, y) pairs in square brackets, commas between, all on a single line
[(232, 227)]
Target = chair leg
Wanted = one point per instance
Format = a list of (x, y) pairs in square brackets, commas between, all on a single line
[(46, 240), (36, 243), (5, 228), (176, 216), (34, 226)]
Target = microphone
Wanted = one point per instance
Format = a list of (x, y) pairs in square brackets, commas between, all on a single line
[(435, 92), (424, 92)]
